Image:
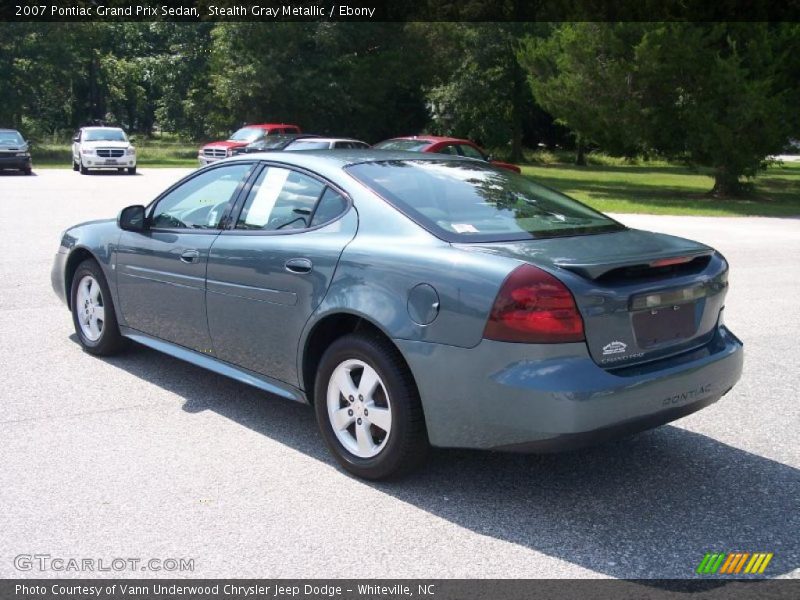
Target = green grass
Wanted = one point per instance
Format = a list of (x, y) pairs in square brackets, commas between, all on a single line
[(614, 185), (150, 153)]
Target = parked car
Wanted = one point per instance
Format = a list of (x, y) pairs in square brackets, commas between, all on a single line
[(248, 134), (322, 143), (413, 299), (15, 152), (103, 148), (272, 143), (443, 145)]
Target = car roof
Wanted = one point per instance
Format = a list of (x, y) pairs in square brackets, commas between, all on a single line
[(268, 125), (343, 157), (14, 130), (433, 139), (102, 127), (329, 139)]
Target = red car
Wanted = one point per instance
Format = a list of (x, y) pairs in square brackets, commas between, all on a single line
[(248, 134), (442, 145)]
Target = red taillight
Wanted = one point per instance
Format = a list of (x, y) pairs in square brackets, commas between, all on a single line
[(534, 307)]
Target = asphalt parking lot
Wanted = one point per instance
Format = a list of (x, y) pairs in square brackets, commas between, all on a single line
[(145, 456)]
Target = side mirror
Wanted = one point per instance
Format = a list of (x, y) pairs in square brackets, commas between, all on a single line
[(131, 140), (132, 218), (77, 138)]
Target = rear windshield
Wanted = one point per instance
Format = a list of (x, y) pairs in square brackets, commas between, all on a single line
[(465, 201), (10, 138), (104, 135), (410, 145), (308, 145)]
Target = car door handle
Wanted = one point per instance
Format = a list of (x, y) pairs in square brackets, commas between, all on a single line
[(298, 265), (190, 256)]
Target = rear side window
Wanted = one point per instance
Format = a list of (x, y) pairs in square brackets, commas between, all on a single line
[(281, 199), (471, 152), (449, 149), (330, 206), (467, 201)]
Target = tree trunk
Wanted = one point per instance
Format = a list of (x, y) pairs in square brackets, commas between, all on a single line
[(518, 100), (726, 183), (580, 152)]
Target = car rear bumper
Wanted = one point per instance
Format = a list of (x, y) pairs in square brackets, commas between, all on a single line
[(545, 398), (15, 162)]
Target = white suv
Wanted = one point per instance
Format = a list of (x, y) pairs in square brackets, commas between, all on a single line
[(102, 148)]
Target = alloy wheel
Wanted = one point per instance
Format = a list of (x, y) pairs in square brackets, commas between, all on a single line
[(359, 408), (90, 308)]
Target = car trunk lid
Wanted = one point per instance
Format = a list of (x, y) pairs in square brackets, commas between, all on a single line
[(641, 295)]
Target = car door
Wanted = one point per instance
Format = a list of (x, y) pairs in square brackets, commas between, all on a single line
[(161, 271), (272, 268)]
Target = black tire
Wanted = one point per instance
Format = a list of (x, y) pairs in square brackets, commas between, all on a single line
[(131, 170), (28, 171), (74, 165), (110, 340), (407, 444), (84, 170)]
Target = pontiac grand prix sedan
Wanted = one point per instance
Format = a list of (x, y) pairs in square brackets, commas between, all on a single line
[(412, 299)]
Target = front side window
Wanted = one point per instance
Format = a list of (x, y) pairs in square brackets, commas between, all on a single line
[(280, 200), (199, 202), (467, 201), (104, 135)]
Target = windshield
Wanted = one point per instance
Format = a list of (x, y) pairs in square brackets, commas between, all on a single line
[(10, 138), (465, 201), (104, 135), (410, 145), (247, 134)]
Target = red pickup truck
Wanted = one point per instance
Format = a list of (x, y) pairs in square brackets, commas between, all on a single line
[(214, 151)]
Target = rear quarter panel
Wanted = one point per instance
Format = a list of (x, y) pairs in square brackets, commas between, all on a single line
[(391, 255)]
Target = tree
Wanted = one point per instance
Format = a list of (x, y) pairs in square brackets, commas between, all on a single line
[(721, 95), (718, 94), (481, 91), (361, 79)]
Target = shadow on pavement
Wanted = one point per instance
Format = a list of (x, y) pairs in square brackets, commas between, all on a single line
[(649, 506)]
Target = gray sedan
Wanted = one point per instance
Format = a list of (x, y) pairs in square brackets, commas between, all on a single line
[(413, 300)]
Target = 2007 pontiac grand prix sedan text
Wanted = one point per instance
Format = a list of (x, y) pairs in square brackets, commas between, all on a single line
[(413, 300)]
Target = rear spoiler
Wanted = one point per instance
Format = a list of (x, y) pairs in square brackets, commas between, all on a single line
[(636, 264)]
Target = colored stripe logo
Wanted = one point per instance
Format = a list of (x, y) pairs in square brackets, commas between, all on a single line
[(734, 563)]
